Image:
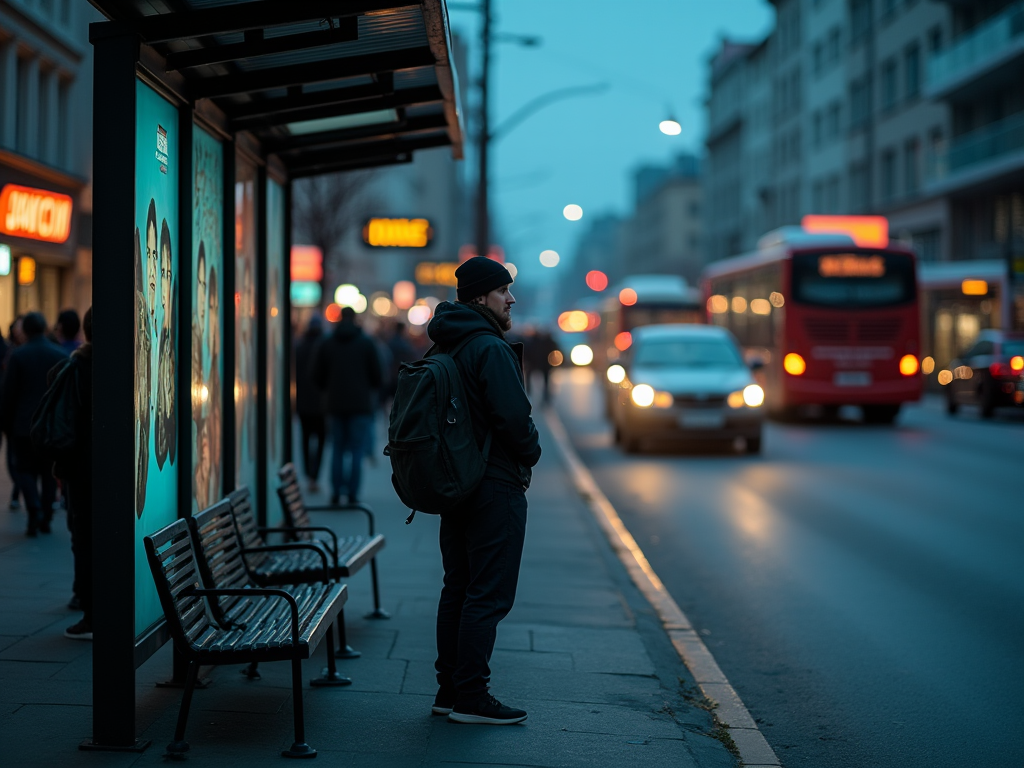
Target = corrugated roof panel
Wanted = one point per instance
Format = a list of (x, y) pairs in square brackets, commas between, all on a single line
[(415, 78)]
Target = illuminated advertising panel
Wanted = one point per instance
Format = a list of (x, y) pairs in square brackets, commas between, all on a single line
[(398, 233), (156, 331), (35, 214), (207, 318)]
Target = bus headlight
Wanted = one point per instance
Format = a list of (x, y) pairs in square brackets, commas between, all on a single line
[(794, 364), (616, 374), (642, 395), (753, 395)]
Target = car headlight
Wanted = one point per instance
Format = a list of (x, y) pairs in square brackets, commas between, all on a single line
[(642, 395), (663, 400), (753, 395), (616, 374)]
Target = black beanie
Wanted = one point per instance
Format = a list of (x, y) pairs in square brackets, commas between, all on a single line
[(480, 275)]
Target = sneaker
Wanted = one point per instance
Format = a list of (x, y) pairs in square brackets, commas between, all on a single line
[(485, 710), (443, 702), (79, 631)]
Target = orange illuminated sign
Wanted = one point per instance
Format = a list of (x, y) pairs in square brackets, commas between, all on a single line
[(35, 214), (866, 231), (850, 265), (307, 264), (26, 270), (398, 233), (440, 273)]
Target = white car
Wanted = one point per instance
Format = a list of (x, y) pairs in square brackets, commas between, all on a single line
[(685, 382)]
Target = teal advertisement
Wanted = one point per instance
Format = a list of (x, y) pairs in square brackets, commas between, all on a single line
[(276, 328), (156, 333), (207, 318), (246, 385)]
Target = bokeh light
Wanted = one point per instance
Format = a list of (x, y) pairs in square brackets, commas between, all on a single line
[(549, 258), (572, 212), (419, 314), (739, 305), (794, 364), (718, 304), (404, 294), (670, 127), (627, 297), (928, 365), (642, 395), (555, 358), (333, 313), (616, 374), (597, 280), (581, 354), (908, 365), (512, 270), (623, 340)]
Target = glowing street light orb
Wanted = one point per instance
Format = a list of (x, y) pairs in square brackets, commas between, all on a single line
[(572, 212), (581, 354), (753, 395), (549, 258), (404, 294), (616, 374), (419, 314), (670, 127), (642, 395)]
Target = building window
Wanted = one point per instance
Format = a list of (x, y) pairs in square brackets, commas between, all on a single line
[(889, 85), (860, 20), (860, 102), (911, 166), (832, 126), (912, 70), (819, 53), (926, 244), (888, 175), (834, 39), (21, 100), (63, 117), (859, 187), (816, 133), (832, 195), (818, 197), (43, 126)]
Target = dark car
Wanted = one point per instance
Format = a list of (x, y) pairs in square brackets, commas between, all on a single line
[(989, 374)]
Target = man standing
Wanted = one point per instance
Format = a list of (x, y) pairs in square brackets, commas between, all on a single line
[(348, 369), (24, 386), (482, 539)]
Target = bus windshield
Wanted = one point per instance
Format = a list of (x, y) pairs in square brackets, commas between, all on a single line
[(637, 316), (853, 279)]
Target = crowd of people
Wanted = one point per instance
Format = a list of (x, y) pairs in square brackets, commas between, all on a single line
[(31, 357)]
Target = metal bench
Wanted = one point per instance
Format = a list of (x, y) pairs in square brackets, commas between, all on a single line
[(301, 528), (235, 623)]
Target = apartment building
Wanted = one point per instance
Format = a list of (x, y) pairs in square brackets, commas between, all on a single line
[(45, 157)]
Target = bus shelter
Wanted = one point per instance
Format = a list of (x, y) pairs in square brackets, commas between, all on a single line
[(205, 111)]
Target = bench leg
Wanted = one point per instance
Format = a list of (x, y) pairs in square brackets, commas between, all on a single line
[(251, 671), (330, 676), (345, 651), (377, 612), (299, 748), (178, 747)]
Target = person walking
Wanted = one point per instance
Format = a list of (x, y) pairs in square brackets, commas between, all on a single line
[(66, 330), (309, 401), (24, 385), (16, 337), (346, 367), (77, 478), (482, 539)]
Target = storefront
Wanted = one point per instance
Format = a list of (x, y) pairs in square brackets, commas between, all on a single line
[(40, 261)]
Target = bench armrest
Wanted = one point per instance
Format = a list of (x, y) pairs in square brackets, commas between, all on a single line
[(301, 528), (232, 592), (291, 546), (357, 507)]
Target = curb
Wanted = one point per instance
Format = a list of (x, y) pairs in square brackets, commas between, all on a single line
[(753, 747)]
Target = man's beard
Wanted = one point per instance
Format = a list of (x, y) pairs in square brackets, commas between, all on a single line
[(505, 321)]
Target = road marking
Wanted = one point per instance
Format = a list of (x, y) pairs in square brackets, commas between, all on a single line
[(753, 747)]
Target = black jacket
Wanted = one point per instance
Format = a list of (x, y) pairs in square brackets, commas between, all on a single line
[(25, 383), (309, 398), (493, 377), (346, 367)]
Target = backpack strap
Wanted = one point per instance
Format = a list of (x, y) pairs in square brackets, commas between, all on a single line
[(434, 348)]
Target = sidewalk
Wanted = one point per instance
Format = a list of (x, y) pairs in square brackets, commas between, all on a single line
[(582, 652)]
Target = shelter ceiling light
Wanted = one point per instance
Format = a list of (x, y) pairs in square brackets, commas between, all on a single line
[(670, 127)]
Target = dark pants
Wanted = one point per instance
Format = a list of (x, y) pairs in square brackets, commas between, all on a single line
[(79, 490), (350, 436), (481, 548), (30, 471), (314, 425)]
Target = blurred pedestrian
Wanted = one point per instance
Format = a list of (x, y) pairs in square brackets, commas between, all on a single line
[(66, 330), (77, 478), (402, 351), (482, 539), (346, 367), (24, 385), (16, 337), (543, 347), (309, 401)]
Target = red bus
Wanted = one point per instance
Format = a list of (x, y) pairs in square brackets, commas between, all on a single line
[(832, 318)]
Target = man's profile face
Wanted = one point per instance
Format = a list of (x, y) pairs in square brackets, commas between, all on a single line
[(500, 302), (152, 265)]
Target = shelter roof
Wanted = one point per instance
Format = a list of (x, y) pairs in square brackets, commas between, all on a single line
[(325, 85)]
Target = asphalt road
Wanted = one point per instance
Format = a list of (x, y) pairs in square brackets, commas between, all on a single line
[(862, 587)]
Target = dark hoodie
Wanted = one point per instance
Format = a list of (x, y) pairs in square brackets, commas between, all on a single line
[(492, 375), (347, 369)]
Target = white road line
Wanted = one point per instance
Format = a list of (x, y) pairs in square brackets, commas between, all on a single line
[(731, 712)]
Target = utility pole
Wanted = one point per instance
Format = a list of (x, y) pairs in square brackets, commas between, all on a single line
[(483, 234)]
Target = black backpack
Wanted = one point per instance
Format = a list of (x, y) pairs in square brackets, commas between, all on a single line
[(435, 461), (54, 423)]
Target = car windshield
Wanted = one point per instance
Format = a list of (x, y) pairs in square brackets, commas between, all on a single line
[(687, 353)]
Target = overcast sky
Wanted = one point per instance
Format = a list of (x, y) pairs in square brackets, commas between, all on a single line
[(653, 56)]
